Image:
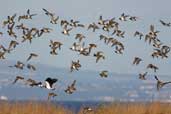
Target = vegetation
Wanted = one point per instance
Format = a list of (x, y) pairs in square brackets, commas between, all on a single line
[(114, 108), (132, 108), (32, 108)]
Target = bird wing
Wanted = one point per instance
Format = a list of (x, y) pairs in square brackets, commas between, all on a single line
[(134, 61), (162, 22), (152, 28), (29, 58), (156, 78), (15, 81)]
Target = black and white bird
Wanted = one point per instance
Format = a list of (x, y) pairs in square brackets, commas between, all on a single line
[(49, 83)]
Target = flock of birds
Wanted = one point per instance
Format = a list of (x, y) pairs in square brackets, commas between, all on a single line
[(107, 25)]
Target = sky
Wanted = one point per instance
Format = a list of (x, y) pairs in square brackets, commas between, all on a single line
[(88, 11)]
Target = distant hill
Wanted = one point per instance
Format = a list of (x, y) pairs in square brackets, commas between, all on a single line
[(90, 86)]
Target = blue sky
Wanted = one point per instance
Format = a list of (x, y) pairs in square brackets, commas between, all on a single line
[(87, 11)]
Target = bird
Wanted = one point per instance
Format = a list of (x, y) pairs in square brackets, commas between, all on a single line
[(19, 65), (99, 55), (80, 37), (160, 83), (103, 37), (101, 21), (66, 30), (53, 51), (75, 65), (143, 76), (2, 55), (44, 30), (31, 56), (123, 17), (13, 44), (22, 26), (51, 94), (49, 83), (104, 73), (73, 23), (18, 78), (106, 28), (152, 32), (1, 33), (55, 44), (10, 30), (151, 66), (156, 53), (137, 33), (31, 67), (54, 19), (133, 18), (157, 43), (6, 50), (106, 39), (27, 16), (33, 83), (165, 50), (165, 24), (29, 34), (91, 46), (93, 26), (87, 110), (38, 84), (64, 23), (137, 60), (30, 81), (119, 49), (10, 20), (71, 88), (47, 12), (78, 47), (118, 33)]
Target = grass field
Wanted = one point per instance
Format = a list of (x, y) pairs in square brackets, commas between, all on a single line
[(31, 108), (134, 108), (114, 108)]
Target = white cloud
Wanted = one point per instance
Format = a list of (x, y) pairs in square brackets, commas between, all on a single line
[(105, 98), (3, 98), (108, 98), (132, 94)]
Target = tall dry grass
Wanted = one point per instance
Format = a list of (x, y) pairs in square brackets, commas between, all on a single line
[(31, 108), (114, 108), (132, 108)]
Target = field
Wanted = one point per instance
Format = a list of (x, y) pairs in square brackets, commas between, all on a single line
[(114, 108), (31, 108)]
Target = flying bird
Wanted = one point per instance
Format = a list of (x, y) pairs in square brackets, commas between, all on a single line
[(71, 88), (123, 17), (137, 60), (160, 83), (99, 55), (165, 24), (31, 67), (137, 33), (104, 74), (49, 83), (143, 76), (18, 78), (151, 66), (31, 56), (93, 26), (51, 94)]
